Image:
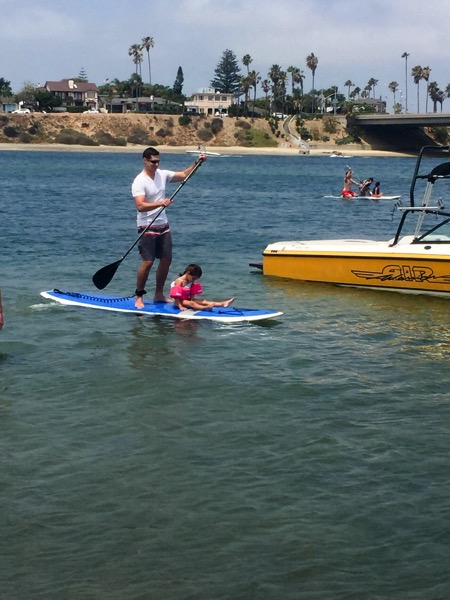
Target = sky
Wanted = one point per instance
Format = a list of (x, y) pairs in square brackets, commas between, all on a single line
[(46, 40)]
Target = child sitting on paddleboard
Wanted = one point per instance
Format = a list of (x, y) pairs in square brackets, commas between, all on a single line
[(185, 288)]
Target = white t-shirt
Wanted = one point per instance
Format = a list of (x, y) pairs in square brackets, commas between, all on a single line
[(154, 190)]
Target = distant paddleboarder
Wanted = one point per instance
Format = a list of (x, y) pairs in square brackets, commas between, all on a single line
[(347, 191)]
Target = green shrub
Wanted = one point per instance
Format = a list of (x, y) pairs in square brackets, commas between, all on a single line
[(139, 137), (440, 134), (254, 138), (184, 120), (69, 136), (205, 135), (349, 139), (243, 124), (330, 125), (163, 132), (216, 126), (76, 109), (106, 139), (10, 132), (25, 138), (315, 132), (304, 133)]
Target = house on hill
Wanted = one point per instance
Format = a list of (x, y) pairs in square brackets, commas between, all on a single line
[(74, 93), (208, 102)]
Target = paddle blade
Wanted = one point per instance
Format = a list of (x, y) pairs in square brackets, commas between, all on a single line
[(104, 275)]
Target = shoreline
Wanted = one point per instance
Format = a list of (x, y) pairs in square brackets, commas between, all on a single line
[(224, 150)]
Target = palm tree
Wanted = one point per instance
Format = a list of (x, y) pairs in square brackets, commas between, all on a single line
[(147, 43), (265, 86), (356, 93), (245, 89), (294, 71), (393, 87), (447, 91), (416, 74), (135, 51), (348, 84), (254, 79), (426, 76), (246, 60), (434, 93), (441, 98), (297, 100), (311, 62), (405, 56), (371, 84), (275, 73)]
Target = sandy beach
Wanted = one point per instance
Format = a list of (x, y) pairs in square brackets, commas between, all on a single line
[(232, 150)]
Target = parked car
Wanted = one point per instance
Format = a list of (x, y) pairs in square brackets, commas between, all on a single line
[(91, 110), (21, 111)]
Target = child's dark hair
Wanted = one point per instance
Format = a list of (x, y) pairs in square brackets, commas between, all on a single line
[(193, 269)]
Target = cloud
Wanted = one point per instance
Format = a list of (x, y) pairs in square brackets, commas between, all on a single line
[(30, 25), (352, 40)]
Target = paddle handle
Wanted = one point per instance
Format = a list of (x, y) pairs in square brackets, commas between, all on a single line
[(144, 231)]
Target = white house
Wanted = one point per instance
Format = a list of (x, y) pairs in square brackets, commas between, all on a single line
[(208, 101)]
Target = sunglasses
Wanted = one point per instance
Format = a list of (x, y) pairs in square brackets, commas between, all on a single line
[(155, 162)]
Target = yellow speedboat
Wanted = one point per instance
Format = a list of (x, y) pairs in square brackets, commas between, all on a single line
[(415, 260)]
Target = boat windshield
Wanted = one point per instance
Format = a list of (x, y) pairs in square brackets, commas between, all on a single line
[(438, 233)]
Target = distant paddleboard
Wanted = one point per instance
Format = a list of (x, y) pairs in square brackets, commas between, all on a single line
[(158, 309), (207, 152), (365, 197)]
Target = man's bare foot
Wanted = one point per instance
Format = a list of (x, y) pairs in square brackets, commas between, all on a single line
[(139, 302), (228, 302), (161, 298)]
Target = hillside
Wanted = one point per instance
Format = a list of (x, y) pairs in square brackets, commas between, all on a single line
[(151, 129), (130, 130)]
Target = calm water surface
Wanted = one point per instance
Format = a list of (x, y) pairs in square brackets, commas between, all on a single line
[(142, 458)]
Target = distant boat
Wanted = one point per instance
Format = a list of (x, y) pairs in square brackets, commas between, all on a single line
[(339, 155)]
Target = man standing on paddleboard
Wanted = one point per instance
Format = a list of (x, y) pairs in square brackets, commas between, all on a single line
[(149, 191)]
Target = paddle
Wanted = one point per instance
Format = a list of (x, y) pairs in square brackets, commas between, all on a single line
[(104, 275), (355, 174)]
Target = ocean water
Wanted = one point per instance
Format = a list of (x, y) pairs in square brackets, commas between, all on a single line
[(306, 458)]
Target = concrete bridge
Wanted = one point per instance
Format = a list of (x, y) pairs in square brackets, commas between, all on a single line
[(409, 120), (399, 133)]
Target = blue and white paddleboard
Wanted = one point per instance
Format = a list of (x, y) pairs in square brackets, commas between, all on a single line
[(158, 309)]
